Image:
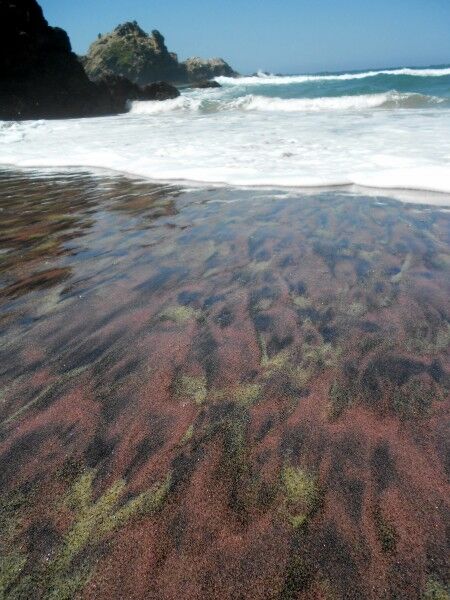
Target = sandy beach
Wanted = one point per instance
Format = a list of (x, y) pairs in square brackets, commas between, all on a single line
[(221, 393)]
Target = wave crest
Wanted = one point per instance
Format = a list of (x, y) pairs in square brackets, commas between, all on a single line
[(182, 103), (386, 100), (255, 103), (264, 79)]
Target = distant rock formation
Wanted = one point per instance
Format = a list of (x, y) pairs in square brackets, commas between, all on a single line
[(129, 51), (199, 69), (40, 76), (207, 83)]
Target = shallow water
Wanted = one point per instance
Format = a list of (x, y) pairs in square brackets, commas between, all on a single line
[(221, 393)]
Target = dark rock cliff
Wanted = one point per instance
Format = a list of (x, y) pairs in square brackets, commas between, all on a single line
[(40, 76)]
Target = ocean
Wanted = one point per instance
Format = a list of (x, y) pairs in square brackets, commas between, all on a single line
[(385, 129)]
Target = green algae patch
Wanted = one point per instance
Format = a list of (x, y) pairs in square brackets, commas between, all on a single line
[(244, 394), (339, 398), (299, 365), (301, 493), (298, 521), (263, 304), (12, 556), (95, 519), (92, 519), (321, 356), (301, 302), (194, 388), (435, 591), (236, 466), (275, 363), (67, 587), (187, 435), (356, 309), (179, 314), (299, 486), (256, 267), (247, 394), (146, 503), (11, 566), (67, 571)]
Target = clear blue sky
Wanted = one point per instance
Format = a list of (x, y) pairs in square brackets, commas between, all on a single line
[(289, 36)]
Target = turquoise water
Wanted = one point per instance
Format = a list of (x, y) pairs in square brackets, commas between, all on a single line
[(432, 83), (427, 86)]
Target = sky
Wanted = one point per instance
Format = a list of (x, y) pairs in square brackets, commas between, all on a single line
[(288, 36)]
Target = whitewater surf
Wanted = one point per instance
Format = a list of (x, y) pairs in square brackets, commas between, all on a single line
[(377, 128)]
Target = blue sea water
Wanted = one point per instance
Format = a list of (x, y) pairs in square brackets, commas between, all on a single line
[(431, 83)]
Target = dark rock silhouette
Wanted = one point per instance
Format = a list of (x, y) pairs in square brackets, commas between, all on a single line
[(40, 76), (206, 84), (120, 89)]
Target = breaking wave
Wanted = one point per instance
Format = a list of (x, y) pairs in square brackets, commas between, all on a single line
[(265, 79), (266, 104)]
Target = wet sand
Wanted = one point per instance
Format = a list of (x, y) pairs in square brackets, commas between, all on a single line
[(221, 393)]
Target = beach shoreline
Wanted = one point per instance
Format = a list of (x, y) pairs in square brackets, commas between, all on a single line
[(422, 197)]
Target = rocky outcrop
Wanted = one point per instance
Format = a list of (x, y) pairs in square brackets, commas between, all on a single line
[(199, 69), (40, 76), (121, 89), (205, 84), (160, 90), (130, 52)]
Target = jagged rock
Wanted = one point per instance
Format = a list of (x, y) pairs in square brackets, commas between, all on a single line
[(129, 51), (206, 84), (198, 69), (40, 76), (132, 53)]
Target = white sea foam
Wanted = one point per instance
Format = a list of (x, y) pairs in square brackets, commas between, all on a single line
[(182, 103), (253, 102), (389, 99), (264, 79), (212, 136)]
